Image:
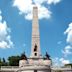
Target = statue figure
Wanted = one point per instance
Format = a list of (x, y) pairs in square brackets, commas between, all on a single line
[(23, 56), (47, 56)]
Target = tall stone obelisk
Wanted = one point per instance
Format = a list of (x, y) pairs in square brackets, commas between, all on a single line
[(36, 63), (35, 49)]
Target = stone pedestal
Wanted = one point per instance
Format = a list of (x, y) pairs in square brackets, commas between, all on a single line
[(34, 68)]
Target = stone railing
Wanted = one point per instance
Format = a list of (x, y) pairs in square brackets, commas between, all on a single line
[(9, 68), (58, 69)]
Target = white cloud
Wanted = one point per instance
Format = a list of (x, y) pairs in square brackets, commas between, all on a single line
[(43, 12), (53, 1), (39, 1), (59, 42), (69, 33), (24, 45), (25, 7), (67, 50), (46, 1), (57, 62), (5, 38), (0, 16), (64, 61), (0, 11)]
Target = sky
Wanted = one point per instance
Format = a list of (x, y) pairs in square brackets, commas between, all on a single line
[(55, 24)]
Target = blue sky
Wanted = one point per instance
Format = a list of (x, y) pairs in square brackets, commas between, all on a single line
[(55, 20)]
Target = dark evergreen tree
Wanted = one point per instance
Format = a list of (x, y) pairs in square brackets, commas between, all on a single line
[(4, 63)]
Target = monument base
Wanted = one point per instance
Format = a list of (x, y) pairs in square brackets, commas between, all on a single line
[(35, 68)]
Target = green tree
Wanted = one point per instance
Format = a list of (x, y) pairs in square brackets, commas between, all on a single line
[(0, 62), (70, 64), (4, 63), (59, 71), (14, 60)]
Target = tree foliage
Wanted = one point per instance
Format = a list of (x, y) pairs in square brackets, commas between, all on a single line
[(11, 61), (0, 62), (3, 62), (59, 71), (14, 60), (69, 65)]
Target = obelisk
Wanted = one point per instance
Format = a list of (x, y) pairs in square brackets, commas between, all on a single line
[(36, 63), (35, 49)]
